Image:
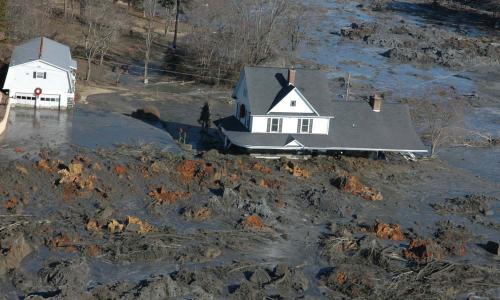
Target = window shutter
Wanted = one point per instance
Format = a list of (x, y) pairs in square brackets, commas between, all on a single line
[(310, 125), (44, 75), (298, 125), (280, 126), (268, 124), (34, 74)]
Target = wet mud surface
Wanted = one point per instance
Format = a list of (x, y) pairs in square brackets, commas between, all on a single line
[(138, 222)]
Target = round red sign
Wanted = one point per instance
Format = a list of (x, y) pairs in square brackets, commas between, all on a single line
[(38, 91)]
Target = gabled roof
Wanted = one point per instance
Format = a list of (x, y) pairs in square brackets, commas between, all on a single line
[(43, 49), (266, 86)]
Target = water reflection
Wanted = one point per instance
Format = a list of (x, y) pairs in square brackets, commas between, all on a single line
[(31, 130)]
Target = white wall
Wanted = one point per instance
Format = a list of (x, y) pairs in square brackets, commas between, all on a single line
[(59, 83), (320, 124), (284, 105)]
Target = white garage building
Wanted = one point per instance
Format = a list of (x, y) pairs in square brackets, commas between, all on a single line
[(41, 74)]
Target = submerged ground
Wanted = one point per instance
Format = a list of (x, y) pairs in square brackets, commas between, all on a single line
[(97, 204)]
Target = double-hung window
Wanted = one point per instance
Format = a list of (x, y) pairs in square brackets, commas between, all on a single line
[(274, 124), (304, 125)]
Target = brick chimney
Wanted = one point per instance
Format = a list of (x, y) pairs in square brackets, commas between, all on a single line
[(376, 102), (292, 73)]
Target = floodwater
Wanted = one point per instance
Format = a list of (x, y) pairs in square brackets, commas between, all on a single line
[(31, 130), (368, 67)]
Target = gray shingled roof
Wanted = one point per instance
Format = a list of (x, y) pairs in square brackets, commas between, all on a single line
[(49, 51), (266, 85), (354, 127)]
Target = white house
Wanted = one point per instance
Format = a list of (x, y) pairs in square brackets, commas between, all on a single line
[(41, 74), (288, 109)]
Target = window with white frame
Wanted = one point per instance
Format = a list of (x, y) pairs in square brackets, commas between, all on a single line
[(293, 103), (40, 75), (304, 125), (274, 125)]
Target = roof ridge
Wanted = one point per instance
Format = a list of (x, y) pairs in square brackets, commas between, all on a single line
[(41, 48)]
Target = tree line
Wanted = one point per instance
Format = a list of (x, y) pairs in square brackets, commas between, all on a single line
[(219, 36)]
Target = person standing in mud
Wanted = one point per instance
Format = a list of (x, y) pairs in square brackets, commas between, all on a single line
[(204, 119)]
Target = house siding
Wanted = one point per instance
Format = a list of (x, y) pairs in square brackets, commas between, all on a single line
[(321, 125), (284, 105), (57, 84)]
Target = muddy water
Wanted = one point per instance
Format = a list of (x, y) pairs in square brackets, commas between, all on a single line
[(367, 67), (31, 130)]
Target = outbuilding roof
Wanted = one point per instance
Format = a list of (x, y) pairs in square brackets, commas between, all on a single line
[(266, 86), (43, 49)]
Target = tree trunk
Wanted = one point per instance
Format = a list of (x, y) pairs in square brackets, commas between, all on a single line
[(174, 44), (146, 66), (166, 20), (65, 12), (83, 7), (89, 65)]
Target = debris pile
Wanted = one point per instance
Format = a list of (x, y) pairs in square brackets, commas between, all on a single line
[(132, 224), (352, 184), (423, 251), (253, 222), (296, 171), (389, 231), (164, 196), (358, 31)]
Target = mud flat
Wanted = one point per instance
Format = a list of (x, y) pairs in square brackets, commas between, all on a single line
[(137, 222)]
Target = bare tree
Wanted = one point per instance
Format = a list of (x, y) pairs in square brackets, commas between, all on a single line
[(168, 5), (444, 126), (29, 18), (100, 30), (150, 11), (227, 34)]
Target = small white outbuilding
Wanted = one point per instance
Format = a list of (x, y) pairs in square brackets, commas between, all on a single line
[(41, 74)]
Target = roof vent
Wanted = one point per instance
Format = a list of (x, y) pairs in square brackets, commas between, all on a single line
[(376, 102), (292, 73)]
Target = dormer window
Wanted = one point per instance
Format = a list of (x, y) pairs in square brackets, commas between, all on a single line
[(293, 103)]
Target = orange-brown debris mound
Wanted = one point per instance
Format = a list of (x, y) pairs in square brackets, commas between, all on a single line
[(341, 278), (92, 225), (115, 226), (352, 184), (274, 184), (253, 222), (187, 170), (62, 241), (47, 165), (142, 227), (389, 231), (422, 250), (120, 169), (261, 168), (296, 171), (11, 204), (73, 175), (198, 170), (161, 195)]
